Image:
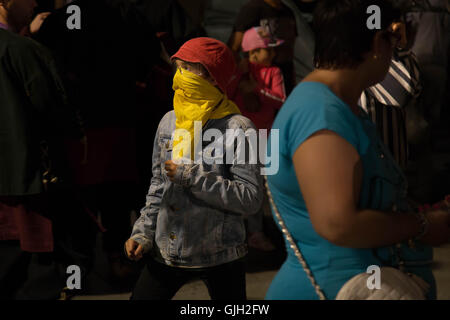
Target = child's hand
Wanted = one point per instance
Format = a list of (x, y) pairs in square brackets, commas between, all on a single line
[(171, 169), (134, 250)]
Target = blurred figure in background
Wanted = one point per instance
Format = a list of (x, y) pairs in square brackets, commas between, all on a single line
[(220, 16), (304, 42), (101, 63), (176, 21), (279, 19), (34, 117), (428, 125), (266, 82), (261, 77), (431, 46)]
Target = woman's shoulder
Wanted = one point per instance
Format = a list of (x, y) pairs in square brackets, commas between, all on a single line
[(313, 107), (314, 101)]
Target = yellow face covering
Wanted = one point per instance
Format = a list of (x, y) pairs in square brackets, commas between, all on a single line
[(195, 99)]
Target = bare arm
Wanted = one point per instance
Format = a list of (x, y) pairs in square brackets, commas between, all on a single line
[(329, 172), (235, 43)]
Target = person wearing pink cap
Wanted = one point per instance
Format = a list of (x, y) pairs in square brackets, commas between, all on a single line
[(261, 78), (266, 82), (192, 224)]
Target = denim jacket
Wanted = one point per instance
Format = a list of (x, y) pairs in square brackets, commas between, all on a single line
[(197, 221)]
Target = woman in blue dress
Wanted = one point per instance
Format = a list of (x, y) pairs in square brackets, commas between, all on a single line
[(338, 189)]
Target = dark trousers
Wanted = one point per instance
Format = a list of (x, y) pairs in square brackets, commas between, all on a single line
[(161, 282), (28, 276)]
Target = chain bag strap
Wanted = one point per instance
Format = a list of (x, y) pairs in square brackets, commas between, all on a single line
[(293, 245)]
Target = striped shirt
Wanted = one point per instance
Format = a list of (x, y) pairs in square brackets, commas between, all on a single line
[(387, 102)]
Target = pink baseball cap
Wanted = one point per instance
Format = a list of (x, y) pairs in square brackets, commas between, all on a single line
[(256, 38)]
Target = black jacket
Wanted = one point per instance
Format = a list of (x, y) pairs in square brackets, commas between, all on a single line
[(33, 109)]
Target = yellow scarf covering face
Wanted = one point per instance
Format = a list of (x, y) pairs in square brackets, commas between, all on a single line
[(195, 99)]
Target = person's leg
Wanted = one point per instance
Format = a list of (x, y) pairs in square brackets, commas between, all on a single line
[(115, 206), (256, 236), (13, 268), (46, 278), (227, 281), (28, 268), (158, 282)]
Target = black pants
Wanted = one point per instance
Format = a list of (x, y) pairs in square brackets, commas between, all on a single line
[(161, 282), (29, 276)]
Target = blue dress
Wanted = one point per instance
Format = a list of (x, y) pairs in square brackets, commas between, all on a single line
[(312, 107)]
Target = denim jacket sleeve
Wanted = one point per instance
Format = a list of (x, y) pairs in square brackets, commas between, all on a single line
[(241, 193), (145, 226)]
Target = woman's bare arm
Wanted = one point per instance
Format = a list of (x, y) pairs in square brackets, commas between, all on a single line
[(329, 172)]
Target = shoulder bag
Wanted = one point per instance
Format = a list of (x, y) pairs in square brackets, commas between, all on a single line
[(395, 284)]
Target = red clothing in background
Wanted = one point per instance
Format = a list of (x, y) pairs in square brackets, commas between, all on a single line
[(22, 218), (270, 91), (111, 157)]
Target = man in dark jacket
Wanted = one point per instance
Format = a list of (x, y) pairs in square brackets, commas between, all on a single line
[(33, 113)]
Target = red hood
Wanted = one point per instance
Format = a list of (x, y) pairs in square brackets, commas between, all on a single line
[(214, 55)]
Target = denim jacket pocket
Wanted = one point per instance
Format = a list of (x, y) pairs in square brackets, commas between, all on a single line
[(165, 144)]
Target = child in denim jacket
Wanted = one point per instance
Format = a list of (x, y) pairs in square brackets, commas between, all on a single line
[(192, 222)]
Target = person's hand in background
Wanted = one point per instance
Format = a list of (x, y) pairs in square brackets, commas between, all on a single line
[(438, 228), (398, 30), (37, 22)]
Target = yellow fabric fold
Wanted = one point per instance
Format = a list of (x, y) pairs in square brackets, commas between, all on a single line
[(195, 99)]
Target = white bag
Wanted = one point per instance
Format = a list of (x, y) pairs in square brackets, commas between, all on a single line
[(395, 285)]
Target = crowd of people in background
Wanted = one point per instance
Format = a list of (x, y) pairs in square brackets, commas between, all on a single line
[(86, 117)]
